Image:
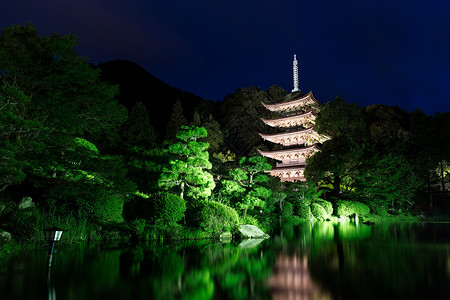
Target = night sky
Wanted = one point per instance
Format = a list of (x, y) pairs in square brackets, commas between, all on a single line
[(394, 52)]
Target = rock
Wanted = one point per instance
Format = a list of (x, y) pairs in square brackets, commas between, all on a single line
[(251, 231), (26, 203), (5, 237), (226, 237)]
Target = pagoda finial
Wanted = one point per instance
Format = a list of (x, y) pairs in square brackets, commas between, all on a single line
[(295, 67)]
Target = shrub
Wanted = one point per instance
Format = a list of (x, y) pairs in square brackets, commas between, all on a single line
[(304, 211), (109, 209), (327, 206), (318, 212), (249, 220), (288, 210), (361, 209), (348, 208), (215, 217), (168, 208)]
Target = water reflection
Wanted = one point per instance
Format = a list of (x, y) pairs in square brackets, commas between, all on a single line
[(291, 280), (311, 261)]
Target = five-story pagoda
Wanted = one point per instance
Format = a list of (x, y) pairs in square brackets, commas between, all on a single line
[(297, 137)]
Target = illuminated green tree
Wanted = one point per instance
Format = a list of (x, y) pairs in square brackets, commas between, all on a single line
[(187, 169), (245, 188), (66, 97)]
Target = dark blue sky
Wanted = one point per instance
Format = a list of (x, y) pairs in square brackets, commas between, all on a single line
[(394, 52)]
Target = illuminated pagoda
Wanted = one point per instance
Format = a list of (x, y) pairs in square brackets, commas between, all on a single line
[(297, 136)]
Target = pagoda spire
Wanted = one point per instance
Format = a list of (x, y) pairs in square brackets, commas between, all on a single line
[(295, 69)]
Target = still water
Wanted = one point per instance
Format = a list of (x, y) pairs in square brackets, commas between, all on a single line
[(310, 261)]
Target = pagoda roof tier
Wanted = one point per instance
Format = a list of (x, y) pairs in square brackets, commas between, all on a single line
[(292, 102), (288, 174), (296, 156), (305, 120), (305, 136)]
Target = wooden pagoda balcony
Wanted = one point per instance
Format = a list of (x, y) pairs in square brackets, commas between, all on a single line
[(291, 163)]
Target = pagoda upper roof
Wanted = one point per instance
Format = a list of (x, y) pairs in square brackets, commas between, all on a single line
[(292, 101), (292, 121), (306, 136)]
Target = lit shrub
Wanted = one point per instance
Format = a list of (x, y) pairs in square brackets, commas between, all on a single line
[(361, 209), (348, 208), (327, 206), (215, 217), (168, 208), (249, 220), (318, 212), (304, 211)]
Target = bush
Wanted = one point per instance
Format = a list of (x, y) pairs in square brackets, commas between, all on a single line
[(168, 208), (348, 208), (318, 212), (215, 217), (109, 209), (304, 211), (327, 206), (249, 220), (361, 209), (288, 210)]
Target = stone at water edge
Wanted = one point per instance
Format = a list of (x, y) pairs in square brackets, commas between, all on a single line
[(5, 237), (226, 236), (251, 231)]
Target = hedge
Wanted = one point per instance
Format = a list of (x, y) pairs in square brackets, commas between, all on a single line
[(348, 208)]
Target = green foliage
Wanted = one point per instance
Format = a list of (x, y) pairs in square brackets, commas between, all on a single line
[(304, 211), (348, 208), (338, 118), (246, 187), (319, 212), (288, 210), (327, 206), (188, 165), (216, 217), (167, 209), (302, 192), (389, 181), (249, 220)]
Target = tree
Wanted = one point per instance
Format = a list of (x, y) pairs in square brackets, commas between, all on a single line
[(336, 165), (176, 120), (137, 130), (66, 98), (245, 188), (186, 171), (388, 181)]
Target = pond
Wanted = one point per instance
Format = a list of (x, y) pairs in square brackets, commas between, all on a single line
[(308, 261)]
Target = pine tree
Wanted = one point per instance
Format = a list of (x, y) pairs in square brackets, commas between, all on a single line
[(176, 120), (137, 130), (187, 169)]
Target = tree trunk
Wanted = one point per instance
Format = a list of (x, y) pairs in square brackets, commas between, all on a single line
[(182, 191)]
